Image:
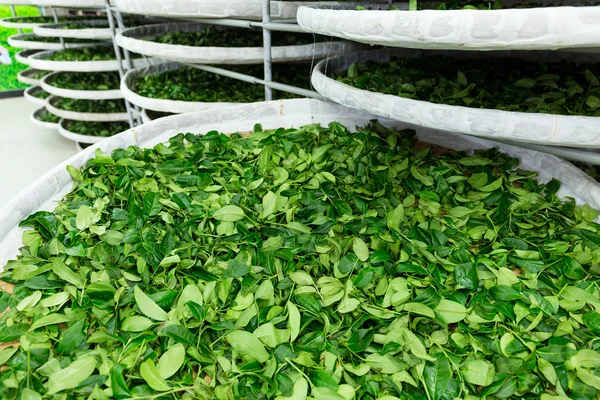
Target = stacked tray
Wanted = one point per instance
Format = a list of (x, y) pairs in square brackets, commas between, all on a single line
[(543, 28), (86, 104), (471, 34), (146, 40), (84, 29), (195, 90), (241, 9), (526, 127)]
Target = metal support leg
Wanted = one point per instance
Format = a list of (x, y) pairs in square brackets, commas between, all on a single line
[(113, 30), (13, 10), (55, 15), (267, 47), (128, 63)]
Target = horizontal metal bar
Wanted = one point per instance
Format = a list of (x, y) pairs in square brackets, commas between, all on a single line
[(225, 72), (257, 81), (280, 27), (290, 26), (292, 89), (236, 23), (564, 152)]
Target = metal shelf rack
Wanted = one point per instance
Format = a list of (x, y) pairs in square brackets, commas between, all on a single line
[(267, 25)]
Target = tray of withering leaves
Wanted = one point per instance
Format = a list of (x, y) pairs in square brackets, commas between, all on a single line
[(465, 25), (45, 119), (31, 76), (175, 88), (109, 110), (548, 98), (90, 132), (89, 59), (79, 29), (206, 44), (30, 22), (36, 95), (31, 41), (319, 255), (74, 4), (83, 85), (242, 9)]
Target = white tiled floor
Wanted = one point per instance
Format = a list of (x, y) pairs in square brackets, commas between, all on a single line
[(26, 150)]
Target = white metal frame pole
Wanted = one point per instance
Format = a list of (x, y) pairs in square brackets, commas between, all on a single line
[(56, 21), (13, 10), (267, 47), (128, 65), (113, 28)]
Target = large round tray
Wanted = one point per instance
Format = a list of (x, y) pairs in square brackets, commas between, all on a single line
[(34, 119), (78, 94), (23, 56), (9, 23), (101, 30), (43, 194), (39, 60), (76, 137), (164, 105), (84, 116), (548, 129), (26, 76), (522, 29), (135, 40), (18, 42), (100, 4), (242, 9), (28, 94)]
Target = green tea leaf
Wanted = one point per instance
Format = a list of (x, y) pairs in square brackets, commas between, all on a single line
[(437, 376), (147, 306), (229, 213), (360, 249), (71, 376), (171, 361), (152, 377), (246, 344)]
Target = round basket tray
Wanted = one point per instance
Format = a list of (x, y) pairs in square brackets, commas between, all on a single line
[(76, 137), (16, 2), (46, 84), (35, 119), (547, 129), (243, 9), (135, 40), (19, 42), (100, 30), (84, 116), (40, 60), (52, 186), (13, 23), (23, 56), (29, 95), (27, 76), (162, 105), (99, 4), (545, 28)]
